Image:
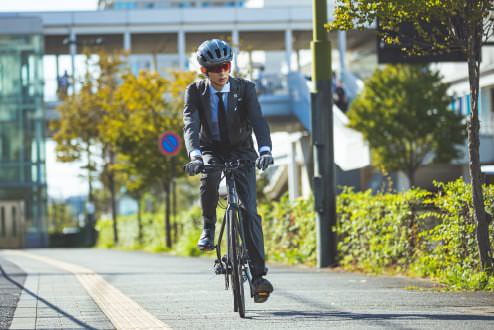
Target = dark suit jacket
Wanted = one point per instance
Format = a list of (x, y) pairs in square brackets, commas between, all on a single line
[(243, 115)]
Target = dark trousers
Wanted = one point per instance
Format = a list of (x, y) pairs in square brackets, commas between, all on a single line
[(246, 188)]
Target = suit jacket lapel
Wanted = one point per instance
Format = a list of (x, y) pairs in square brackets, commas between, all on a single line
[(232, 100), (205, 97)]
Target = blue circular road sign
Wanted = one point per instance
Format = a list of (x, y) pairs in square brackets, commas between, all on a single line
[(170, 143)]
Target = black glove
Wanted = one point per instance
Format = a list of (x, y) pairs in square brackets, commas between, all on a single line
[(264, 160), (194, 166)]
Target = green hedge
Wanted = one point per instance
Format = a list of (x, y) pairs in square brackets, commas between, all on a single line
[(188, 224), (289, 231), (128, 238), (377, 232), (448, 251), (415, 232)]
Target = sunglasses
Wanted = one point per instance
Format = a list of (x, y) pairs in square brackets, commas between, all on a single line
[(220, 67)]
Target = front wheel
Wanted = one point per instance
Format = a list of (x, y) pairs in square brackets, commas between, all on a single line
[(237, 266)]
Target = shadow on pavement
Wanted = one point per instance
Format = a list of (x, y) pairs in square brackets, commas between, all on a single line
[(32, 294), (340, 316), (335, 315)]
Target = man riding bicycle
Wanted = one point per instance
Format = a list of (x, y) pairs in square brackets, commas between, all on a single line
[(220, 114)]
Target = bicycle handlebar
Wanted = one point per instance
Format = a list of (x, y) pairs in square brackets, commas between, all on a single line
[(229, 165)]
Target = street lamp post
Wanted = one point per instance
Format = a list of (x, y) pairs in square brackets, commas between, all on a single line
[(322, 138)]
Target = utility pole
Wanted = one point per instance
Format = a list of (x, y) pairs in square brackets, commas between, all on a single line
[(322, 138)]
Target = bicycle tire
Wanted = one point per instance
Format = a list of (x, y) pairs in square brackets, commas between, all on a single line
[(236, 275), (229, 260), (240, 272)]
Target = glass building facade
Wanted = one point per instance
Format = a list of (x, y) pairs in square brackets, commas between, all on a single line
[(22, 124)]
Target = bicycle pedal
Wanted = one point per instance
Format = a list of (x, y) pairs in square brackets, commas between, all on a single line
[(219, 270), (218, 267)]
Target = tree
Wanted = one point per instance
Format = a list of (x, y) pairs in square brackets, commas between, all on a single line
[(60, 214), (109, 66), (135, 186), (149, 106), (463, 25), (77, 131), (403, 114)]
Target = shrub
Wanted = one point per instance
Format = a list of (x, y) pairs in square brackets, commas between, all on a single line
[(289, 231), (377, 232), (449, 249)]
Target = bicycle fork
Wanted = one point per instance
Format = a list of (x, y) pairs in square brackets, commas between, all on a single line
[(221, 262)]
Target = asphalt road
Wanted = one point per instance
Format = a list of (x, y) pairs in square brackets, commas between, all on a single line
[(183, 293)]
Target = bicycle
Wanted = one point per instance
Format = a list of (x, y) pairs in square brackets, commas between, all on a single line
[(235, 264)]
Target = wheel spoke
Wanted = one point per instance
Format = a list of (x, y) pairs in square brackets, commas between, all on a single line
[(235, 259)]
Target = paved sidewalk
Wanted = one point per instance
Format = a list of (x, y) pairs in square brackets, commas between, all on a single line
[(50, 299), (183, 293)]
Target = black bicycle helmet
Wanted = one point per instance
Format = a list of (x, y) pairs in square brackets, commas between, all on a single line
[(213, 52)]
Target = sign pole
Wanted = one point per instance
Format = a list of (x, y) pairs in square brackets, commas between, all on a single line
[(169, 144)]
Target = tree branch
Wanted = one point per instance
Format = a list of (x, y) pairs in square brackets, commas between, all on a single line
[(488, 30)]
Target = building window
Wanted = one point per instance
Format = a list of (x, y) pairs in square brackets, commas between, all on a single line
[(125, 5)]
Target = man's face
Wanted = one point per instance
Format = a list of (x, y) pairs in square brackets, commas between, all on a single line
[(219, 74)]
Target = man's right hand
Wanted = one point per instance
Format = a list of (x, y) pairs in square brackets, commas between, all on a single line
[(194, 167)]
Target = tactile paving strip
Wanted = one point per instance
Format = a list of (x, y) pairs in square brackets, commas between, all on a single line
[(123, 312)]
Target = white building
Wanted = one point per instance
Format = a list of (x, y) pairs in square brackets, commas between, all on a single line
[(160, 4), (283, 3), (457, 75)]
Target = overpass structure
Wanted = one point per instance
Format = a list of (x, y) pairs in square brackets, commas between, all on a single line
[(177, 32)]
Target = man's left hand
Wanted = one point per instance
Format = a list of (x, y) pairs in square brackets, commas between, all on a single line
[(264, 160)]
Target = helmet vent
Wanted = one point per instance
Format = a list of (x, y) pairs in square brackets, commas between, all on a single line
[(213, 52)]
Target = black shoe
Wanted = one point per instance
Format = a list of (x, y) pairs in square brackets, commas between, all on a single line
[(206, 242), (262, 289)]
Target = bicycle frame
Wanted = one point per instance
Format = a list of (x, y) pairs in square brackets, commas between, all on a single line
[(235, 264), (233, 205)]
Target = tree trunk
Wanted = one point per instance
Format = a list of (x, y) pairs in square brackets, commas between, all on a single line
[(89, 175), (174, 211), (411, 177), (473, 150), (91, 211), (168, 236), (111, 183)]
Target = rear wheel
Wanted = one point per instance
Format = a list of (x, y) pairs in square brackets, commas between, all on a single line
[(237, 266)]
